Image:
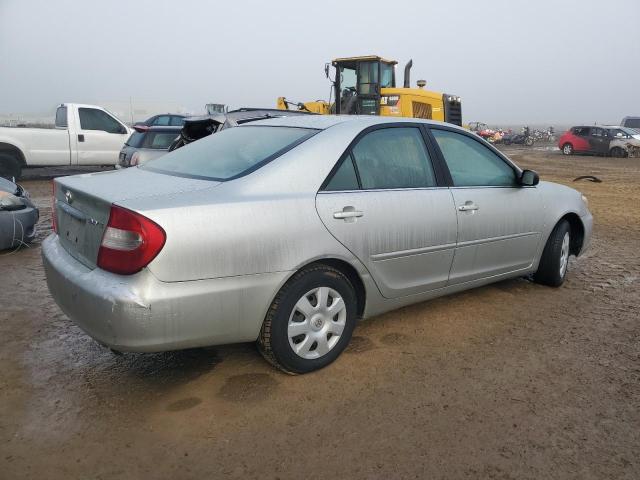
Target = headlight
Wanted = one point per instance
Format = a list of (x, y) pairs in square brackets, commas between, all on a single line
[(585, 200), (9, 201)]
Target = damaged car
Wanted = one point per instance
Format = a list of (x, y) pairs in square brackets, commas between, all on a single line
[(18, 216), (195, 128)]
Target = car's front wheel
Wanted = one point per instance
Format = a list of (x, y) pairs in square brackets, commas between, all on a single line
[(567, 149), (310, 321), (554, 262)]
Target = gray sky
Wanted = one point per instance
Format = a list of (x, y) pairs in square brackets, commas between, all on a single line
[(536, 61)]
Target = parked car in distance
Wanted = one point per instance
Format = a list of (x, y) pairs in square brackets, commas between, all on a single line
[(286, 231), (164, 120), (18, 215), (146, 143), (83, 135), (631, 122), (598, 140)]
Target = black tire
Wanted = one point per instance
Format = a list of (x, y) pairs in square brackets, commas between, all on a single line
[(549, 271), (567, 149), (618, 152), (274, 343), (529, 141), (10, 167), (507, 141)]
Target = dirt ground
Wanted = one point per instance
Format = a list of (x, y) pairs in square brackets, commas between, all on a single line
[(509, 381)]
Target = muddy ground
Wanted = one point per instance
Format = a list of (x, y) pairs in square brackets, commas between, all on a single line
[(509, 381)]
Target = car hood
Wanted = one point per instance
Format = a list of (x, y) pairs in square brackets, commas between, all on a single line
[(8, 186)]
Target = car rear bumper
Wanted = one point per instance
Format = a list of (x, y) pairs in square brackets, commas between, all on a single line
[(141, 313), (17, 227)]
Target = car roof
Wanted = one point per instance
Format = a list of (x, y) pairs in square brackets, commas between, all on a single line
[(322, 122)]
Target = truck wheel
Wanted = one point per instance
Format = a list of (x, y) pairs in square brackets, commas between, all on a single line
[(310, 321), (554, 262), (10, 167)]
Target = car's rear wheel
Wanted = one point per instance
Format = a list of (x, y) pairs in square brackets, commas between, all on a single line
[(529, 141), (310, 322), (618, 152), (567, 149), (554, 262), (10, 167)]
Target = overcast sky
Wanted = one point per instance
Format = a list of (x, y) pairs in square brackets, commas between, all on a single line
[(537, 61)]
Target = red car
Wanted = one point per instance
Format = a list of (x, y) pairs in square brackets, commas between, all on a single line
[(599, 140)]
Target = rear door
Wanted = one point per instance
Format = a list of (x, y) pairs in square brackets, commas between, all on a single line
[(99, 137), (385, 202), (499, 221)]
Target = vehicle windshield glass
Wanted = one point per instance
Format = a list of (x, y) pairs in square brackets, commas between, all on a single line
[(629, 131), (230, 153), (632, 122)]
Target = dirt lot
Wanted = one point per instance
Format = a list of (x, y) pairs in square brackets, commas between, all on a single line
[(513, 380)]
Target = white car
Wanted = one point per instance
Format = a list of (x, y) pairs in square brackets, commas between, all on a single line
[(83, 135)]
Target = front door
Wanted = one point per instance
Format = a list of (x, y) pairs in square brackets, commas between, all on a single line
[(599, 141), (99, 137), (499, 224), (386, 206)]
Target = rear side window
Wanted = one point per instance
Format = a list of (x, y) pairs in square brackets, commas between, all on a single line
[(471, 163), (61, 117), (344, 178), (176, 121), (581, 131), (393, 158), (230, 153), (92, 119)]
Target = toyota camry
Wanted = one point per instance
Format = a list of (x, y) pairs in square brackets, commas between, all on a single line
[(288, 231)]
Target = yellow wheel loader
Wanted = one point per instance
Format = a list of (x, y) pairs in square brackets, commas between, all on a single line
[(367, 86)]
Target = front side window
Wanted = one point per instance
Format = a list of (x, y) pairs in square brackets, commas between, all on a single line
[(92, 119), (230, 153), (162, 121), (471, 163), (393, 158)]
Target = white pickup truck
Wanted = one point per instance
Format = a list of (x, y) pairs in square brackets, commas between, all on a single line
[(83, 135)]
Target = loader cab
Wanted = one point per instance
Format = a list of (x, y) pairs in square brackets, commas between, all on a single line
[(358, 83)]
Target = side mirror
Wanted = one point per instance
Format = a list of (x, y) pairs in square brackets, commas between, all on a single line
[(529, 178), (326, 70)]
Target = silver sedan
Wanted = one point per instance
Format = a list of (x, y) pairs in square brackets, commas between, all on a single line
[(287, 231)]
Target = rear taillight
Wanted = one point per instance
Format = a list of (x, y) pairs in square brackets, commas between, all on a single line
[(54, 213), (129, 242), (134, 159)]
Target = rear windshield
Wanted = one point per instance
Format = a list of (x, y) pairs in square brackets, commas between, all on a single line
[(135, 140), (151, 139), (230, 153)]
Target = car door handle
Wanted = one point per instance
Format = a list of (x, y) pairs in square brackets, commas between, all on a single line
[(80, 137), (469, 206), (348, 213)]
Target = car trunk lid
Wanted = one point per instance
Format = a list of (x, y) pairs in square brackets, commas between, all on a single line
[(83, 203)]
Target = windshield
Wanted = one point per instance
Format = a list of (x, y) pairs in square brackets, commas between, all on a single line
[(230, 153), (632, 122)]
